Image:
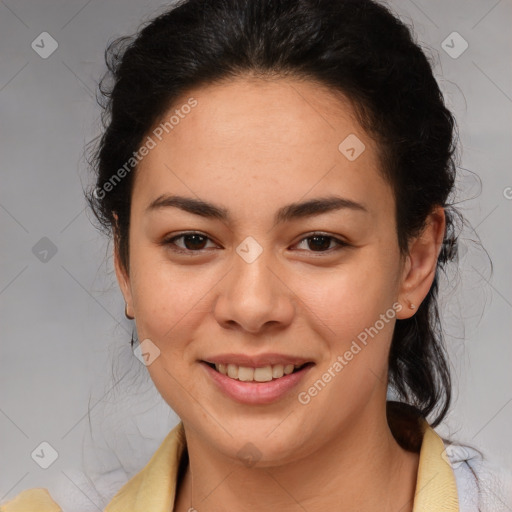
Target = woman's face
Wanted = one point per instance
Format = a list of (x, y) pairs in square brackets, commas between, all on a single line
[(276, 162)]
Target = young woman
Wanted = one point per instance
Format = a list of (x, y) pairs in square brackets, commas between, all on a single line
[(276, 178)]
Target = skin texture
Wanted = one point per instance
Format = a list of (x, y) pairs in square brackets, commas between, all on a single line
[(252, 146)]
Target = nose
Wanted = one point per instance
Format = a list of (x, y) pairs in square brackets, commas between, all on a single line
[(253, 297)]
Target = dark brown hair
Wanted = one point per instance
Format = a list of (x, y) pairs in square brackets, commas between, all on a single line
[(356, 47)]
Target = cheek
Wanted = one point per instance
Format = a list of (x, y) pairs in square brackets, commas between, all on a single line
[(165, 295), (169, 308), (351, 297), (354, 317)]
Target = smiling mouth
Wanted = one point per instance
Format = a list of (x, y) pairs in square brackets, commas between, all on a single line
[(261, 374)]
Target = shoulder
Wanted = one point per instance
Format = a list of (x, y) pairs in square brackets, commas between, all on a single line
[(69, 491), (31, 500), (146, 490), (482, 485)]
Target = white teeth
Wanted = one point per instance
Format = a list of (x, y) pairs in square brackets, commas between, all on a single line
[(288, 369), (232, 371), (263, 374), (277, 371), (245, 373)]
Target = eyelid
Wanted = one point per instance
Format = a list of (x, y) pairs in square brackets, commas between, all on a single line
[(340, 243), (169, 241)]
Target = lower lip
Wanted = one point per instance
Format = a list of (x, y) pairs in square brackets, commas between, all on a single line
[(256, 393)]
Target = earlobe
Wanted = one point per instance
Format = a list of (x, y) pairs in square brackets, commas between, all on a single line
[(421, 264)]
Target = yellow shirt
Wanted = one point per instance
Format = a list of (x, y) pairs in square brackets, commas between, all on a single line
[(154, 487)]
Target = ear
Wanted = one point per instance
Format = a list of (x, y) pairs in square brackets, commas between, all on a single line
[(420, 263), (123, 278)]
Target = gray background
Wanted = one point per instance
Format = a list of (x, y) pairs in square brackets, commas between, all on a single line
[(64, 338)]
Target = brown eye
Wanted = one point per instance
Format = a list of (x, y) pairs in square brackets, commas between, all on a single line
[(322, 243), (194, 242), (319, 243), (190, 242)]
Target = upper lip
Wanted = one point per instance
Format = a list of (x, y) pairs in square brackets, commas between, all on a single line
[(256, 361)]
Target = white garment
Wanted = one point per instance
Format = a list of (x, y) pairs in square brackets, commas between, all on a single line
[(481, 485)]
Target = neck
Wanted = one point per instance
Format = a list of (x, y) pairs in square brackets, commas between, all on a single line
[(363, 468)]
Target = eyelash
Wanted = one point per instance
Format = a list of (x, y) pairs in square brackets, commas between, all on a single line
[(169, 242)]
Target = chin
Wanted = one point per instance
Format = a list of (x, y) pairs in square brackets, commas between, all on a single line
[(262, 442)]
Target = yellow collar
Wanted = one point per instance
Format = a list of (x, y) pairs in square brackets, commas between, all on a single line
[(154, 487), (435, 484)]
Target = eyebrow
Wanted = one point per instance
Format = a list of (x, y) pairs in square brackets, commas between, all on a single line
[(287, 213)]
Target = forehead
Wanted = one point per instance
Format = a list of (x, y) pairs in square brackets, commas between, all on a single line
[(278, 137), (264, 113)]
